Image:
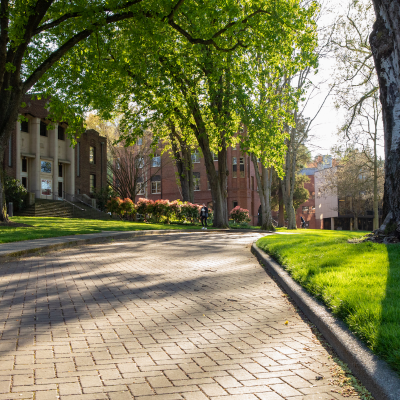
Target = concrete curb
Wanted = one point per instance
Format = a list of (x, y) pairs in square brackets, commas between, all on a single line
[(105, 236), (374, 373)]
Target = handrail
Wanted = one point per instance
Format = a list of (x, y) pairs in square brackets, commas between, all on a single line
[(74, 205)]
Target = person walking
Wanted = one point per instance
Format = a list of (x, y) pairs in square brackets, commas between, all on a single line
[(303, 222), (204, 216)]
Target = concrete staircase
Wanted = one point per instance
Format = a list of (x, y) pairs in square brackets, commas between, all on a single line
[(62, 209)]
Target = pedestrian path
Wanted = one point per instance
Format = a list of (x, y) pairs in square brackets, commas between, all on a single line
[(180, 316)]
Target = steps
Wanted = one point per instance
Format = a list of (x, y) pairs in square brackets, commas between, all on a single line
[(61, 209)]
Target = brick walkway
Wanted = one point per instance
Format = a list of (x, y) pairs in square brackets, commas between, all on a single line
[(180, 316)]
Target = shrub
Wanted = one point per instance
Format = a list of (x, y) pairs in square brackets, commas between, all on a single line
[(160, 208), (190, 211), (113, 205), (240, 215), (15, 193), (128, 207), (175, 207), (144, 207), (102, 197)]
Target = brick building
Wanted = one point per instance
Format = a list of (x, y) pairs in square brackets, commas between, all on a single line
[(242, 187), (44, 161)]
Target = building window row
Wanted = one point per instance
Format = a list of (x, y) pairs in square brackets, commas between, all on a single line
[(234, 167)]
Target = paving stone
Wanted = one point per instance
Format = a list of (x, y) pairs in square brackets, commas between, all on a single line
[(183, 316)]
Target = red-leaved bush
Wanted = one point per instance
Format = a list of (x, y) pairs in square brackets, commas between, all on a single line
[(240, 215)]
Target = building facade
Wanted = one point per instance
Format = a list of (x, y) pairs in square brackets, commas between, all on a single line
[(241, 185), (44, 160)]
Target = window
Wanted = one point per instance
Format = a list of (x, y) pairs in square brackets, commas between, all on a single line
[(241, 167), (10, 152), (45, 167), (61, 133), (25, 126), (140, 186), (46, 187), (24, 181), (215, 156), (252, 183), (156, 184), (43, 129), (60, 170), (156, 161), (235, 203), (24, 165), (234, 167), (313, 195), (196, 181), (139, 141), (92, 183), (92, 155), (196, 156), (305, 209), (141, 162), (313, 209)]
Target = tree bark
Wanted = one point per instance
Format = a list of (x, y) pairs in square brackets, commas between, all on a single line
[(287, 186), (385, 46), (375, 223), (183, 162), (281, 216), (264, 182)]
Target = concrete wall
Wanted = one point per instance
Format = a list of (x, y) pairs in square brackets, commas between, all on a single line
[(326, 206)]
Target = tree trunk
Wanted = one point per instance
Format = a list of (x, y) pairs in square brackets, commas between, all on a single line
[(375, 223), (264, 182), (217, 179), (281, 216), (183, 162), (355, 219), (287, 185), (10, 101), (385, 46)]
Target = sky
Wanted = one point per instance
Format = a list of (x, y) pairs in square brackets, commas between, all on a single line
[(323, 135)]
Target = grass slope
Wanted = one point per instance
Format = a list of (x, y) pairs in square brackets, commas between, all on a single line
[(360, 283), (42, 227)]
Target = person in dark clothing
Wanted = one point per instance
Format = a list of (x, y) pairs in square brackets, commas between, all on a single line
[(204, 216), (303, 223)]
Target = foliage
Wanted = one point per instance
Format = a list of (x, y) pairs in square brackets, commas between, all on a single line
[(114, 205), (128, 208), (15, 193), (353, 182), (301, 194), (190, 211), (240, 215), (358, 282), (102, 196)]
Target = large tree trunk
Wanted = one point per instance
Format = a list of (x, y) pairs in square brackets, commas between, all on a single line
[(287, 185), (264, 182), (217, 179), (385, 46), (10, 101), (375, 223), (183, 162)]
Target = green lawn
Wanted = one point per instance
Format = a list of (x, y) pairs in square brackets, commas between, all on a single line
[(360, 283), (42, 227)]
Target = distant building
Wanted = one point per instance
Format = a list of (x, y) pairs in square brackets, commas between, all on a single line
[(241, 185), (44, 161)]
